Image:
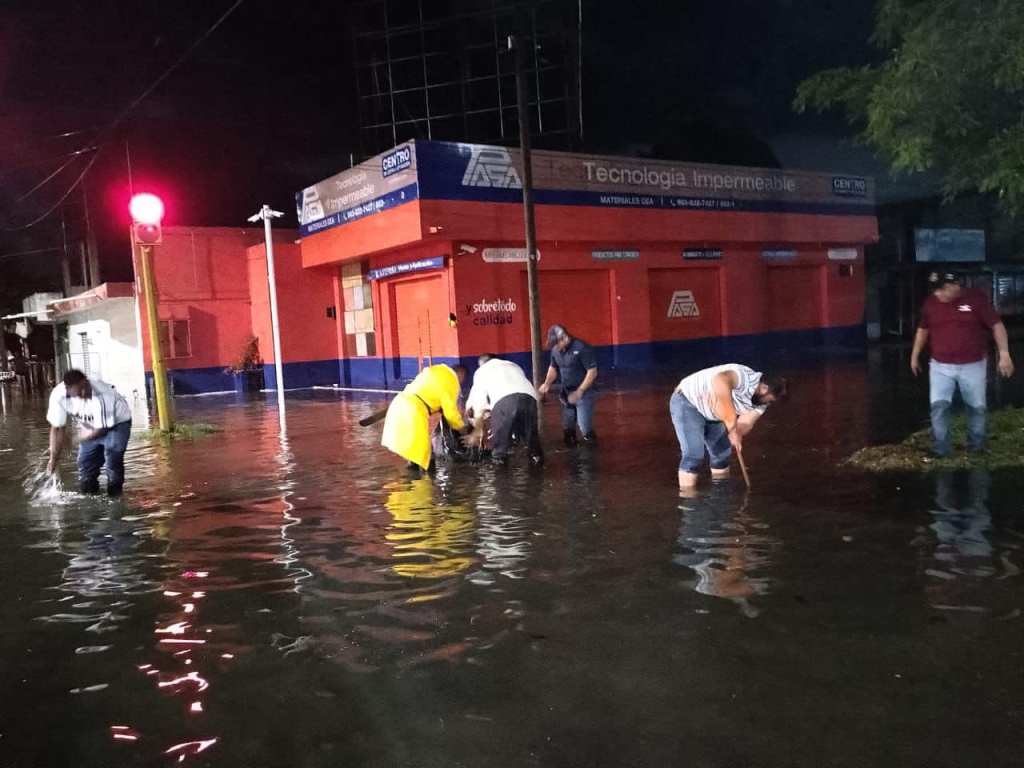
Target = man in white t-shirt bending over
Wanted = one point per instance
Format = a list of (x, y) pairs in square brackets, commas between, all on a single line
[(713, 409), (501, 388), (104, 420)]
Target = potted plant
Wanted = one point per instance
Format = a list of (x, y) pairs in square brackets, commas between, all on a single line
[(247, 370)]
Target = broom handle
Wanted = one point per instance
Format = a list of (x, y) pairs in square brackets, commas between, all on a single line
[(743, 468)]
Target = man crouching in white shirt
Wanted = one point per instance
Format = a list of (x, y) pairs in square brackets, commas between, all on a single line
[(104, 420), (501, 387), (713, 409)]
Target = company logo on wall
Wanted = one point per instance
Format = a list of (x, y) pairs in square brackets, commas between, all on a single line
[(396, 161), (496, 312), (683, 305), (491, 167), (312, 209)]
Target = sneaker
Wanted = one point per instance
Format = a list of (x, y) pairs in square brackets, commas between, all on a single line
[(590, 437), (537, 459), (570, 438)]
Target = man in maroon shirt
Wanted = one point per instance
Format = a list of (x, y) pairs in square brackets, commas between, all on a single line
[(956, 322)]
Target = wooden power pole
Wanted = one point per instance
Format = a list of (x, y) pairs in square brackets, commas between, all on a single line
[(515, 45)]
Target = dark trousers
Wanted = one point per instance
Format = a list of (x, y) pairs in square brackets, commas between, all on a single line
[(514, 415), (106, 451)]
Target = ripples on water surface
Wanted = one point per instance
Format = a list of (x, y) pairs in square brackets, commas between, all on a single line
[(308, 603)]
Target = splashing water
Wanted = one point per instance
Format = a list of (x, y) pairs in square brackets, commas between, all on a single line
[(42, 488)]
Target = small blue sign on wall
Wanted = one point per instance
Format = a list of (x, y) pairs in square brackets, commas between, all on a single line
[(779, 254), (420, 265)]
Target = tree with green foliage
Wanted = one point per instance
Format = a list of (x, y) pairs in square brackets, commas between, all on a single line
[(947, 94)]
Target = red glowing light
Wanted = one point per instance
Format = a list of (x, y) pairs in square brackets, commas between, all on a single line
[(146, 208)]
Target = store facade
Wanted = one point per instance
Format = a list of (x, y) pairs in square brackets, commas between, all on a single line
[(642, 258)]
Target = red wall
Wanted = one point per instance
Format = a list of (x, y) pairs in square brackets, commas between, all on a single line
[(200, 277), (605, 302), (392, 228), (410, 305), (626, 302), (303, 296), (504, 222)]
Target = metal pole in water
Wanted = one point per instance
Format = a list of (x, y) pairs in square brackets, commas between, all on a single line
[(163, 402), (515, 45), (266, 214)]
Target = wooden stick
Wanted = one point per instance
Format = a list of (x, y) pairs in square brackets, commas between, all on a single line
[(430, 346), (419, 344), (743, 468), (373, 418)]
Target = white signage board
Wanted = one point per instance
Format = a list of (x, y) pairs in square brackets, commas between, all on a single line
[(505, 255)]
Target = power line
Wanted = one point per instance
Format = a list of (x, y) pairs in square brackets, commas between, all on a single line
[(178, 62), (124, 113), (44, 181), (29, 253), (59, 203), (44, 161), (51, 137)]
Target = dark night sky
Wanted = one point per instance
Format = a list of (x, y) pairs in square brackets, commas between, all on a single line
[(263, 106)]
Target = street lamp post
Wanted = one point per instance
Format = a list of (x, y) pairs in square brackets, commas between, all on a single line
[(147, 212), (266, 214)]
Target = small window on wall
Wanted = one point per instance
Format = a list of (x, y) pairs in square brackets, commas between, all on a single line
[(175, 339)]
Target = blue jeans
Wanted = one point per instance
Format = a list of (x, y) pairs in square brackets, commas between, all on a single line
[(696, 434), (106, 450), (944, 379), (582, 412)]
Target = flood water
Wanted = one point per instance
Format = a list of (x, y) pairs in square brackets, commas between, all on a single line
[(252, 602)]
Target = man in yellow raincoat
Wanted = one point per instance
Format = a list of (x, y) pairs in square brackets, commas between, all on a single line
[(412, 415)]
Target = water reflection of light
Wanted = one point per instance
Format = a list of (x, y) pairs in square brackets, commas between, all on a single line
[(726, 550), (290, 556), (177, 628), (192, 677), (429, 540), (190, 748), (503, 544), (185, 681)]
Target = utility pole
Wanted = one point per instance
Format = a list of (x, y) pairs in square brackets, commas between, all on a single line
[(147, 212), (163, 401), (266, 214), (516, 46)]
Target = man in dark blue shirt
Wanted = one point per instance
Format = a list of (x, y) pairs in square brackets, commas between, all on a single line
[(572, 361)]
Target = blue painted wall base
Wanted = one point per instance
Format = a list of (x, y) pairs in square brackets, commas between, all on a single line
[(763, 351)]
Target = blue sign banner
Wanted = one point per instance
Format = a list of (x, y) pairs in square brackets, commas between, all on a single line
[(420, 265), (949, 245), (436, 170), (396, 161), (471, 172), (370, 207)]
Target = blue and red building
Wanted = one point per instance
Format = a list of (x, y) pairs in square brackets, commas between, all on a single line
[(417, 255)]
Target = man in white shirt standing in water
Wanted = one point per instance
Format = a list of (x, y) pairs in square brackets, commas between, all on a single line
[(105, 423), (714, 409), (501, 387)]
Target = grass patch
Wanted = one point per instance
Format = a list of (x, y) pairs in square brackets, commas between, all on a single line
[(182, 432), (1005, 448)]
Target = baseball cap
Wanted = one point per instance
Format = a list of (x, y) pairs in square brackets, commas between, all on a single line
[(555, 332), (938, 279)]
